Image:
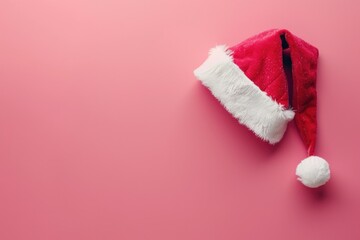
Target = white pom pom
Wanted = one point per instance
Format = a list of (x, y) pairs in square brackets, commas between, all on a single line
[(313, 171)]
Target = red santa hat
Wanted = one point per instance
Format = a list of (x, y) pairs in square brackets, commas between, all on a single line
[(265, 82)]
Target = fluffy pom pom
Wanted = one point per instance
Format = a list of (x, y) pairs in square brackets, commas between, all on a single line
[(313, 171)]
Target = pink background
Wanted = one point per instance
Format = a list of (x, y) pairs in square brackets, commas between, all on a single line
[(106, 134)]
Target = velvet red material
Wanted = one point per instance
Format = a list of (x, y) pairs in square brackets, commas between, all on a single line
[(284, 66)]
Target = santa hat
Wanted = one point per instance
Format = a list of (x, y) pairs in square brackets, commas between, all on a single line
[(265, 82)]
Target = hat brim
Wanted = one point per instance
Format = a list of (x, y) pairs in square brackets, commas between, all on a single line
[(241, 97)]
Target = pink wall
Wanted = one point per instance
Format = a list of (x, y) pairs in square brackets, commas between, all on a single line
[(106, 134)]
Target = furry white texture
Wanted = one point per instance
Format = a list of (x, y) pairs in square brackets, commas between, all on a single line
[(313, 171), (241, 97)]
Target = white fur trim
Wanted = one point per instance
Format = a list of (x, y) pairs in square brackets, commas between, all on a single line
[(241, 97)]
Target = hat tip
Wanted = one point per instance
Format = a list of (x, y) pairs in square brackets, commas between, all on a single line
[(313, 171)]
